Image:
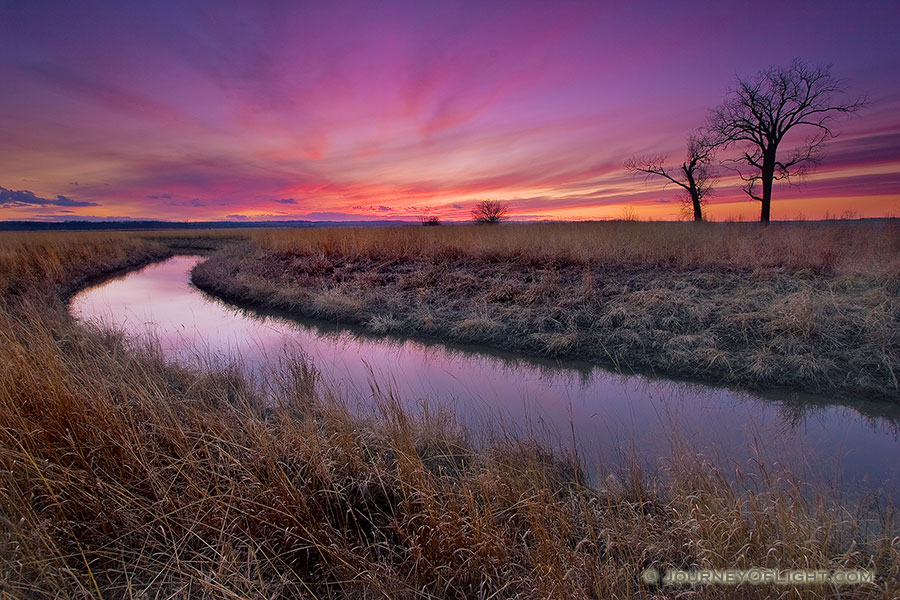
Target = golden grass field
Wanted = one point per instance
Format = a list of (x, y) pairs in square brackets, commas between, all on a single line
[(123, 476)]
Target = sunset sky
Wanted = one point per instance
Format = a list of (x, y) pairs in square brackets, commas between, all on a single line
[(220, 110)]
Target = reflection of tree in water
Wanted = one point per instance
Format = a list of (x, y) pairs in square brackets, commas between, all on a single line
[(795, 409)]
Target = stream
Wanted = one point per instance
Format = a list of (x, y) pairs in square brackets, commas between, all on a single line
[(609, 417)]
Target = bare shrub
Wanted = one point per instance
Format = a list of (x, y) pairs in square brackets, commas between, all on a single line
[(490, 211)]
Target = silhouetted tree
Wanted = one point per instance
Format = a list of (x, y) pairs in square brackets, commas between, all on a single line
[(694, 175), (757, 114), (430, 220), (490, 211)]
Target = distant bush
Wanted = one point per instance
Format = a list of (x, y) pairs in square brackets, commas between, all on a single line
[(490, 211)]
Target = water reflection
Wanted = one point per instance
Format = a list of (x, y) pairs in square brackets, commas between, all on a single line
[(605, 414)]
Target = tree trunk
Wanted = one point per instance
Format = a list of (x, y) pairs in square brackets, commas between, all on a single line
[(694, 193), (698, 212), (768, 177)]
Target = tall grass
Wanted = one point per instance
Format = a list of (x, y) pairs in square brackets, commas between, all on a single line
[(830, 247), (124, 476)]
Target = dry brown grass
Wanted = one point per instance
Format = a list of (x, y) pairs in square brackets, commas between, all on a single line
[(813, 307), (834, 248), (124, 476)]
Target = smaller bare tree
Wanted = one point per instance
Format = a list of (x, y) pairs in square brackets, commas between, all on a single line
[(490, 211), (694, 175)]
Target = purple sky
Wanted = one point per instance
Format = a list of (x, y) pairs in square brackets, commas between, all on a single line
[(231, 110)]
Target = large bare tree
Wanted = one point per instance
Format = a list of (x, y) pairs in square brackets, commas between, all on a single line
[(758, 113), (694, 175)]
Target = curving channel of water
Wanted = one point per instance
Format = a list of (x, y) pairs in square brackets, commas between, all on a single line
[(855, 446)]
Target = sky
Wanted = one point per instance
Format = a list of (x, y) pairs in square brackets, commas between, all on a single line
[(224, 110)]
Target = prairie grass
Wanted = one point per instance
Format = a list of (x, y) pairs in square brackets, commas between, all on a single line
[(124, 476), (834, 248), (812, 306)]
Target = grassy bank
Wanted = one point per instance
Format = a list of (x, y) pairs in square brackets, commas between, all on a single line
[(124, 476), (813, 307)]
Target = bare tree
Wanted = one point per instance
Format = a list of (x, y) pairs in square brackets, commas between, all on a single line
[(757, 114), (490, 211), (694, 175)]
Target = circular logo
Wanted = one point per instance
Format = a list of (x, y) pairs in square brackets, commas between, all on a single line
[(650, 576)]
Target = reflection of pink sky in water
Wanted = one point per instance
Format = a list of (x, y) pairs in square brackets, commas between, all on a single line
[(608, 412)]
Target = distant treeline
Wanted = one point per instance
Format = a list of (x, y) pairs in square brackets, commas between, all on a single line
[(142, 225)]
